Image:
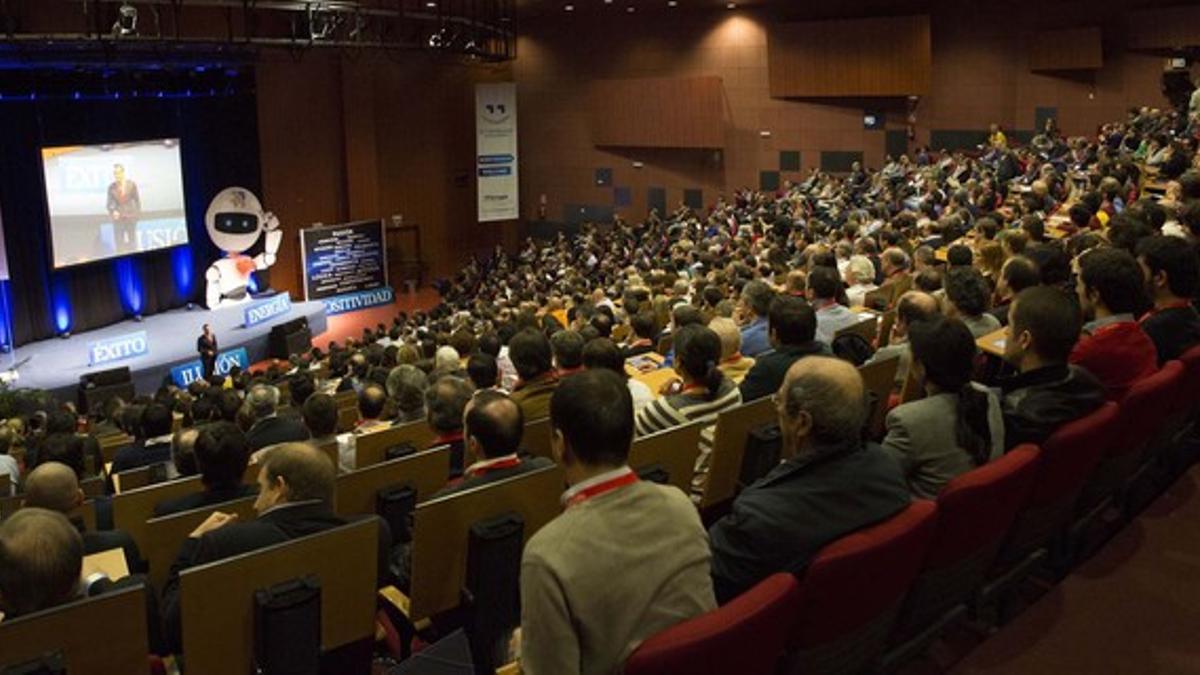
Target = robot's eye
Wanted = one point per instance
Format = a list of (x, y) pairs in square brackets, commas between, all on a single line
[(236, 223)]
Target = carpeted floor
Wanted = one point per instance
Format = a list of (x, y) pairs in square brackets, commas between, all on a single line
[(1134, 608)]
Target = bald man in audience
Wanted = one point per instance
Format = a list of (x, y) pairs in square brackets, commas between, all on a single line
[(41, 559), (492, 428), (829, 484), (295, 499), (913, 306), (55, 487)]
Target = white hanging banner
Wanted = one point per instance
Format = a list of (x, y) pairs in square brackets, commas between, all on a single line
[(496, 151)]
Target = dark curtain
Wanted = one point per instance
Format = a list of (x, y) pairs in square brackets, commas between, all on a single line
[(219, 148)]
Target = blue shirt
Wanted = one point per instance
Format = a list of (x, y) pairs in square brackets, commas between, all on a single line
[(755, 339)]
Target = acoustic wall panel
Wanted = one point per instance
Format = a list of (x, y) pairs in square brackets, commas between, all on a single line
[(1069, 49), (674, 112), (888, 56)]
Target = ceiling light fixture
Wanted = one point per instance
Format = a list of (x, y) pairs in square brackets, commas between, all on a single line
[(732, 5), (569, 8)]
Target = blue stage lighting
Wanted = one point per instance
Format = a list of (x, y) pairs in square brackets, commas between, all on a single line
[(129, 283), (181, 265), (60, 304)]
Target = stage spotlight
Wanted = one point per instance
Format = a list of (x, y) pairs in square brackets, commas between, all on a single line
[(322, 22), (443, 39), (127, 18)]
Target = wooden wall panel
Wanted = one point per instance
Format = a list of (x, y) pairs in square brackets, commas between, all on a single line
[(1167, 28), (683, 112), (890, 56), (1068, 49)]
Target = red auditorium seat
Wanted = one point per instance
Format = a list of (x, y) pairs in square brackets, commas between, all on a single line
[(1145, 410), (745, 636), (850, 595), (975, 512), (1183, 452), (1189, 394), (1067, 460)]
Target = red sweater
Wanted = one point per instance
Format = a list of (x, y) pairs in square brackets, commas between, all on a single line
[(1118, 354)]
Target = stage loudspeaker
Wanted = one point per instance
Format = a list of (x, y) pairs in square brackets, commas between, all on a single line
[(95, 389), (287, 339)]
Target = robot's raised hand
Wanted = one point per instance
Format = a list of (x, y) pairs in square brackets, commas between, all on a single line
[(270, 222)]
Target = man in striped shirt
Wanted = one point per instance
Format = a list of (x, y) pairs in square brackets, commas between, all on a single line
[(700, 394)]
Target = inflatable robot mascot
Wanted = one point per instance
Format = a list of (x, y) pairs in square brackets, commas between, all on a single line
[(235, 219)]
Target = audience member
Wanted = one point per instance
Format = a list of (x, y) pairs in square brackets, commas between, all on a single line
[(1113, 346), (445, 402), (619, 538), (792, 324), (754, 305), (152, 442), (55, 487), (829, 484), (269, 428), (930, 448), (967, 300), (734, 364), (532, 356), (824, 286), (222, 455), (1172, 273), (492, 430), (41, 559), (603, 353), (1043, 327), (295, 499)]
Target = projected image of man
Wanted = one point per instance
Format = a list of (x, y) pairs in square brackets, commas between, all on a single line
[(125, 207)]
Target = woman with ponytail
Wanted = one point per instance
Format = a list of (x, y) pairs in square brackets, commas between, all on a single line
[(958, 425), (698, 395)]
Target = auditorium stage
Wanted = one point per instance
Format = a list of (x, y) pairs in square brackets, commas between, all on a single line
[(57, 364)]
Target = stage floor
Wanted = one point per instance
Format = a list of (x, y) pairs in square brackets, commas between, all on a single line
[(57, 364)]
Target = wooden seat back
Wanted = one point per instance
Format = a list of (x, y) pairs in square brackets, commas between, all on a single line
[(133, 508), (94, 636), (729, 445), (536, 438), (441, 530), (217, 599), (371, 447), (879, 378), (425, 472), (165, 535), (111, 443), (675, 450)]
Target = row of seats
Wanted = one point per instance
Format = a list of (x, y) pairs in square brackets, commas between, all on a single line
[(936, 561)]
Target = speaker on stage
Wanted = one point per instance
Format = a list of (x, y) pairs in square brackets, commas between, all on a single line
[(286, 339), (95, 389)]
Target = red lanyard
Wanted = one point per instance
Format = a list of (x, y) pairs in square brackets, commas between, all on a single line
[(496, 465), (627, 478)]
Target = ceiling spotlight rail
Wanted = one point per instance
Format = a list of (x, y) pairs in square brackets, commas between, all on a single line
[(475, 29)]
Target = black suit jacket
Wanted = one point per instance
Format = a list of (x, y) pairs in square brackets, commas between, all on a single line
[(276, 526), (274, 430), (769, 369), (781, 521), (527, 464), (198, 500), (139, 455)]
